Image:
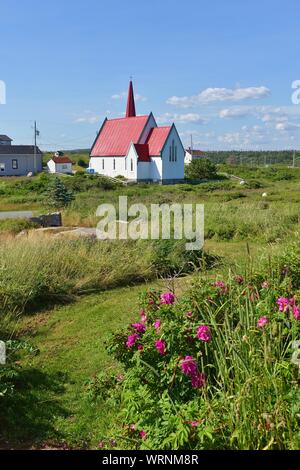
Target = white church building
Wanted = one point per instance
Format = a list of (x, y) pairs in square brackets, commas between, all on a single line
[(136, 148)]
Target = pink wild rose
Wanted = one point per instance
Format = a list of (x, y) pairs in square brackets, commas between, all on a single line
[(220, 284), (204, 334), (167, 298), (161, 346), (296, 312), (139, 327), (157, 324), (283, 303), (198, 380), (194, 424), (263, 321), (143, 434), (140, 347), (143, 316), (131, 340), (189, 366)]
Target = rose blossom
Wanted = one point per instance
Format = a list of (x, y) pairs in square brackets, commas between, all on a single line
[(139, 327), (283, 303), (220, 284), (167, 298), (189, 366), (131, 340), (198, 380), (296, 312), (157, 324), (263, 321), (143, 316), (161, 346), (204, 334)]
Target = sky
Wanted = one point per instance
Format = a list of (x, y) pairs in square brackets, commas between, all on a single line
[(223, 71)]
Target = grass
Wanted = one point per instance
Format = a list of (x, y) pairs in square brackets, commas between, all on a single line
[(50, 404), (80, 291)]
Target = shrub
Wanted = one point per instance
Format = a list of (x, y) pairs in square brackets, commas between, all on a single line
[(82, 163), (212, 370), (201, 168)]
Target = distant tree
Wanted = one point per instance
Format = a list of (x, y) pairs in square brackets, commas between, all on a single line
[(82, 163), (201, 168), (58, 195), (232, 160)]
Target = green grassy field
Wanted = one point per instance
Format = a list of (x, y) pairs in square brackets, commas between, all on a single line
[(74, 301)]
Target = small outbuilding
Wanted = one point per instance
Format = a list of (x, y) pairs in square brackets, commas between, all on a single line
[(60, 163)]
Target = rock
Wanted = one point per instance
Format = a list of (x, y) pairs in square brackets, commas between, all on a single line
[(80, 232)]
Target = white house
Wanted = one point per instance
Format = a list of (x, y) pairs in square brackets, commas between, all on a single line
[(136, 148), (59, 164), (192, 154)]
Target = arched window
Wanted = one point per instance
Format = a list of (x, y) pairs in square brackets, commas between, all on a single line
[(170, 153), (114, 163), (175, 153), (102, 163), (173, 150), (131, 165)]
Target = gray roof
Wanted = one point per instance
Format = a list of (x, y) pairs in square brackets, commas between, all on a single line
[(18, 150), (5, 138)]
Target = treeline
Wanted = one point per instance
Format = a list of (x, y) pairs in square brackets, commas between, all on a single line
[(269, 157)]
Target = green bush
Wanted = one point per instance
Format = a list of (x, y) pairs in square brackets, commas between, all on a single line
[(201, 168), (212, 370)]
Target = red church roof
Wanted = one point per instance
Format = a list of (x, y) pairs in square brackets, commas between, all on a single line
[(157, 138), (117, 134)]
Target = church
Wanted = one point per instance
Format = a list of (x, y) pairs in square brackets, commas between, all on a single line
[(137, 148)]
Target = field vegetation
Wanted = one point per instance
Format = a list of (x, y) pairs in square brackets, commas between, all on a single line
[(205, 365)]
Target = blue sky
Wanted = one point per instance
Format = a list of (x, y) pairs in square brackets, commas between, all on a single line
[(222, 70)]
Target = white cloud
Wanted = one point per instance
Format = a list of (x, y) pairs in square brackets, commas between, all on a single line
[(287, 126), (235, 112), (124, 94), (119, 96), (213, 95), (181, 118), (86, 119)]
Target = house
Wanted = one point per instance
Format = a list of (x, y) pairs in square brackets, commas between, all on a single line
[(5, 140), (19, 160), (59, 163), (136, 148), (192, 154)]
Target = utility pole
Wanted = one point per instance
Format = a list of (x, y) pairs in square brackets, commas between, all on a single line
[(36, 133), (34, 157)]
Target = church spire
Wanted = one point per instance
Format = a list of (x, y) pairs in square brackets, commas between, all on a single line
[(130, 109)]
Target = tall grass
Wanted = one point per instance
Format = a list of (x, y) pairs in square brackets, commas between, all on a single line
[(36, 271)]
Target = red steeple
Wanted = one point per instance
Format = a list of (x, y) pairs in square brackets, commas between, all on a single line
[(130, 109)]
